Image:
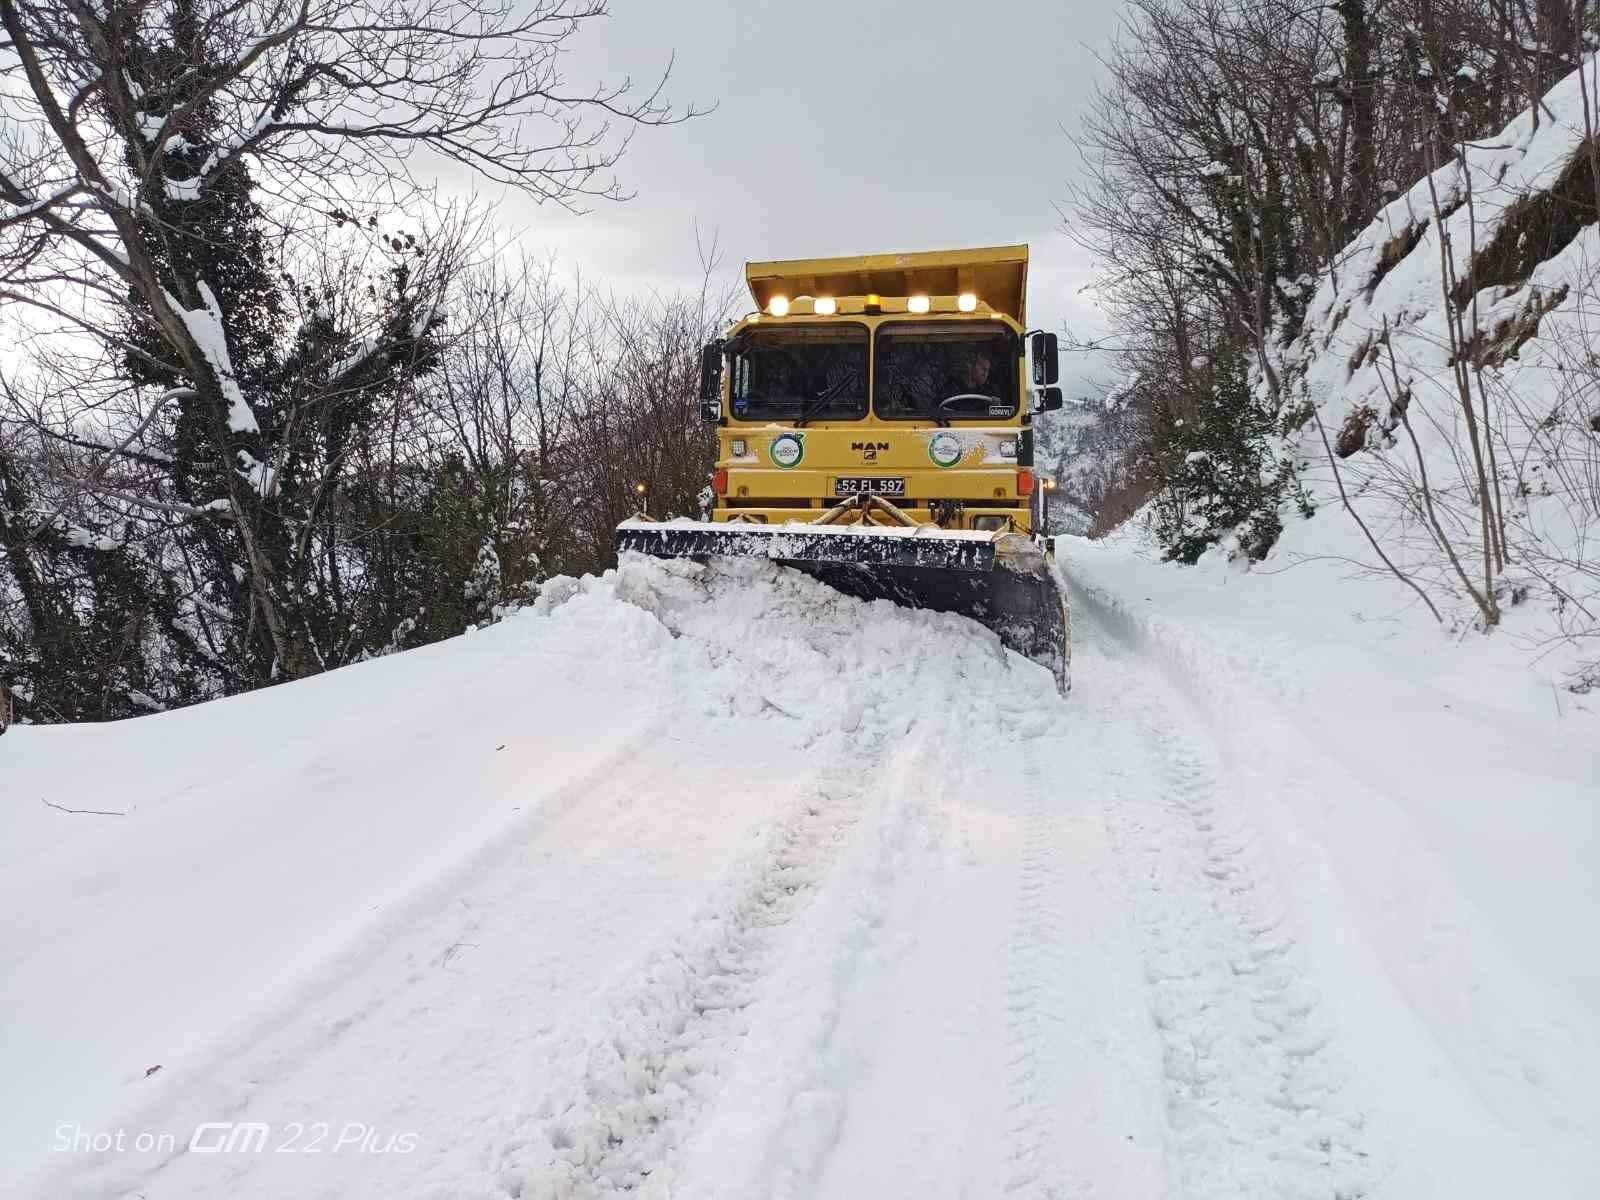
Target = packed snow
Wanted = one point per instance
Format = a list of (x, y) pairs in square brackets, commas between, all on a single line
[(711, 882)]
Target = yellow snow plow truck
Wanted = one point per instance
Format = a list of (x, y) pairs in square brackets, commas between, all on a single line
[(875, 430)]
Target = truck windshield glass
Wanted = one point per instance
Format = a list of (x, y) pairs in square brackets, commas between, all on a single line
[(800, 373), (946, 372)]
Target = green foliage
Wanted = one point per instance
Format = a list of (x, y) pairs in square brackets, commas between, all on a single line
[(1224, 476)]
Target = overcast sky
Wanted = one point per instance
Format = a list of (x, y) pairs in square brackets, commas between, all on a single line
[(841, 129)]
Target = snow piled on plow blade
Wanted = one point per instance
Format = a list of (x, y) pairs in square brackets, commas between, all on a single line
[(1002, 581)]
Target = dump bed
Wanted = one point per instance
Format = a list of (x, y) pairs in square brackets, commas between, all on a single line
[(998, 275)]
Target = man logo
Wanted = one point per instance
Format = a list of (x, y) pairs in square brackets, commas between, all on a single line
[(869, 450), (229, 1137)]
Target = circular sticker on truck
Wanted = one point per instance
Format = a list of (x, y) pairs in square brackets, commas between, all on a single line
[(945, 449), (786, 450)]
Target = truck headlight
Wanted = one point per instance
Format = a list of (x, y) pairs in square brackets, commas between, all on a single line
[(778, 306)]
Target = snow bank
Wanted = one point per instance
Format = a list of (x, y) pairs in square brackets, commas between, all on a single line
[(243, 856)]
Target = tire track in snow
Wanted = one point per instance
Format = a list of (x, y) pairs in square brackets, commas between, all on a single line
[(1037, 969), (638, 1079), (390, 1000), (1253, 1079), (821, 1055), (1082, 1077), (272, 1046)]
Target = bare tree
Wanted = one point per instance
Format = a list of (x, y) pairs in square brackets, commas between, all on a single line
[(151, 150), (1236, 146)]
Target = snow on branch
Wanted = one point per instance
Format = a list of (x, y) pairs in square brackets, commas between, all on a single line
[(87, 539), (220, 156), (220, 507), (24, 209), (205, 327)]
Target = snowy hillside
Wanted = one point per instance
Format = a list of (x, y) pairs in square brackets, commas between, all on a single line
[(1450, 356), (711, 883)]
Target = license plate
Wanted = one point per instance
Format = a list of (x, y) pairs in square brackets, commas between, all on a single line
[(855, 485)]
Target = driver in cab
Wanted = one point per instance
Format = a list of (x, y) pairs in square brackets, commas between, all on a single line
[(976, 374), (971, 378)]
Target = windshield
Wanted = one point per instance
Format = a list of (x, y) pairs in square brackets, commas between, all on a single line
[(800, 373), (946, 372)]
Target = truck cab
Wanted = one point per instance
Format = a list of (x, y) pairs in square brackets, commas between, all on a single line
[(905, 377)]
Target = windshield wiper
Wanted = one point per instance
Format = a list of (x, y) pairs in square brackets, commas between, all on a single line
[(815, 407)]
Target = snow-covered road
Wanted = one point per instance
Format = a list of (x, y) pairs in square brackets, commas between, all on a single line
[(764, 892)]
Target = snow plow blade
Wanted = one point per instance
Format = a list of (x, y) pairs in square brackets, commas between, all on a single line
[(1003, 581)]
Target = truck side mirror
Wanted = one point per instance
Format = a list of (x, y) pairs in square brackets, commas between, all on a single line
[(1046, 367), (1048, 399), (711, 381)]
